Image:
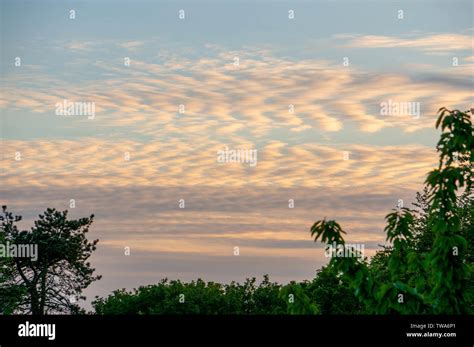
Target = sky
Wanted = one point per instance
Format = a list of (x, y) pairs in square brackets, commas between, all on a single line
[(307, 93)]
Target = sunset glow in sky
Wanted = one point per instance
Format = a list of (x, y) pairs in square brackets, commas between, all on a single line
[(306, 93)]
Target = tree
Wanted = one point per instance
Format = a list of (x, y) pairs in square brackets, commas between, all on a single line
[(331, 293), (10, 292), (52, 283), (428, 267), (298, 302)]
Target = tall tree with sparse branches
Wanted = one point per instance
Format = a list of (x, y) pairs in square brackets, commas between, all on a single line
[(52, 283)]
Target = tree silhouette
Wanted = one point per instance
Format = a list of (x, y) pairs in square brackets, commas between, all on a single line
[(52, 283), (11, 292)]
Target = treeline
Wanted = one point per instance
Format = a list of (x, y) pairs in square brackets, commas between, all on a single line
[(326, 294)]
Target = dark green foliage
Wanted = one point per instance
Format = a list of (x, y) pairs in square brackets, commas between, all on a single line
[(298, 302), (331, 293), (61, 271), (327, 293), (11, 292), (329, 232), (199, 297)]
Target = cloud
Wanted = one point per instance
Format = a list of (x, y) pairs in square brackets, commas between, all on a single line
[(223, 99), (176, 162), (131, 45), (82, 46), (448, 42)]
